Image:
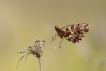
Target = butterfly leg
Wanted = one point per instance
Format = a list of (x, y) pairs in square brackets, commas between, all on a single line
[(61, 41), (54, 37), (60, 45)]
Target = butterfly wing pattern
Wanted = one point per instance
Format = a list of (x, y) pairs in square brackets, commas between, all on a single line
[(73, 33)]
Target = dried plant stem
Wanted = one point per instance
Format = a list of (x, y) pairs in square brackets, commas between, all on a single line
[(40, 64)]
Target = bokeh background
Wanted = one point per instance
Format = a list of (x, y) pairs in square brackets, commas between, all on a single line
[(21, 21)]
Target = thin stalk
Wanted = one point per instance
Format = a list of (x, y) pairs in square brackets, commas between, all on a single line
[(40, 64)]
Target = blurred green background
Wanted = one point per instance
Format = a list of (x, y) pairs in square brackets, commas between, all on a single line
[(21, 21)]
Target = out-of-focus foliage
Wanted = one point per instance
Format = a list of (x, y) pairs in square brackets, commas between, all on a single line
[(22, 20)]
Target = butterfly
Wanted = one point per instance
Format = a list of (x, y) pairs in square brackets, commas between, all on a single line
[(73, 33)]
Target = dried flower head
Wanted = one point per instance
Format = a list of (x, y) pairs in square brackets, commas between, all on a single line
[(36, 50)]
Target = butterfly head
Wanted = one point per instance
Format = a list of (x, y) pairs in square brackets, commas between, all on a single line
[(57, 28)]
